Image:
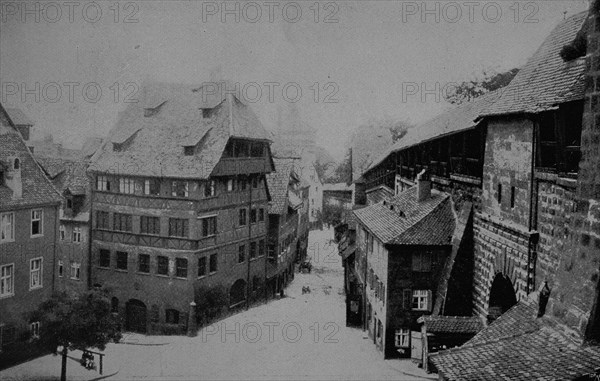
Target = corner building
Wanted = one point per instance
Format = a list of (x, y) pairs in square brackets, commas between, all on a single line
[(179, 207)]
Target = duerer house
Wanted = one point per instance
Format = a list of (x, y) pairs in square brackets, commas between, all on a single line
[(179, 206)]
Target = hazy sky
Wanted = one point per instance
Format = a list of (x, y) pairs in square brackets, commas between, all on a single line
[(361, 63)]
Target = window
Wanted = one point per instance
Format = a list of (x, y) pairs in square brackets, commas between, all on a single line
[(512, 197), (421, 300), (402, 338), (7, 230), (17, 164), (210, 188), (421, 261), (60, 269), (179, 189), (213, 263), (126, 185), (76, 234), (122, 260), (407, 299), (242, 184), (242, 219), (122, 222), (181, 267), (241, 253), (102, 183), (35, 273), (189, 150), (152, 187), (261, 214), (36, 222), (144, 263), (252, 250), (34, 328), (255, 182), (256, 150), (102, 220), (178, 227), (206, 112), (201, 267), (69, 203), (75, 270), (253, 216), (7, 280), (61, 232), (499, 194), (209, 226), (261, 247), (172, 316), (104, 258), (162, 267), (150, 225), (230, 187)]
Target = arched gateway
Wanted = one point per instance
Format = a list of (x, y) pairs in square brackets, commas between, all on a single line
[(502, 296)]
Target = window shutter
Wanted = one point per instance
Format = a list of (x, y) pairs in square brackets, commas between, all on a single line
[(429, 300), (407, 299)]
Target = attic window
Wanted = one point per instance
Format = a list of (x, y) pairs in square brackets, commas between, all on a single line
[(151, 111), (206, 112), (188, 150), (17, 163), (117, 147)]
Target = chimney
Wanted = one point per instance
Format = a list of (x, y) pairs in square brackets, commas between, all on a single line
[(13, 177), (423, 186)]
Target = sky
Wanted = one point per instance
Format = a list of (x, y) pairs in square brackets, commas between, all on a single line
[(73, 66)]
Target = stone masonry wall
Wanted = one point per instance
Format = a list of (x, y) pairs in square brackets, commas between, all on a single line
[(574, 297)]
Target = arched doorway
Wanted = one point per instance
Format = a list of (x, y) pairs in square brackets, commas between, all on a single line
[(237, 293), (136, 316), (502, 297)]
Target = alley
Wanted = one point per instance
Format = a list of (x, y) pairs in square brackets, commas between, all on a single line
[(301, 336)]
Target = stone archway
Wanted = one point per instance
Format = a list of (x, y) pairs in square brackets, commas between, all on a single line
[(502, 296), (136, 316)]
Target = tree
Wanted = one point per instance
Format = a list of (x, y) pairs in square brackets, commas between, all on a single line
[(80, 323), (488, 80)]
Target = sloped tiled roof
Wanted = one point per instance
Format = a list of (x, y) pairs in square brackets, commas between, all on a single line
[(37, 189), (430, 222), (546, 80), (460, 118), (378, 194), (452, 324), (153, 145), (278, 183), (18, 117), (66, 174), (521, 347)]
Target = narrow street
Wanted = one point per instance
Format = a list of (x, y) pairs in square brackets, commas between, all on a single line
[(301, 336)]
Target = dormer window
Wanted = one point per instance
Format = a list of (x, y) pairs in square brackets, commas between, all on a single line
[(117, 147), (188, 150), (17, 163), (151, 111), (206, 113)]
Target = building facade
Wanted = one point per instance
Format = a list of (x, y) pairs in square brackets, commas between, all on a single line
[(73, 245), (403, 246), (179, 208), (29, 209), (286, 233)]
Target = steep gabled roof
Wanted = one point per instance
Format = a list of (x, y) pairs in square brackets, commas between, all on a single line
[(153, 145), (546, 80), (518, 346), (18, 117), (68, 176), (37, 189), (278, 183), (410, 222)]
